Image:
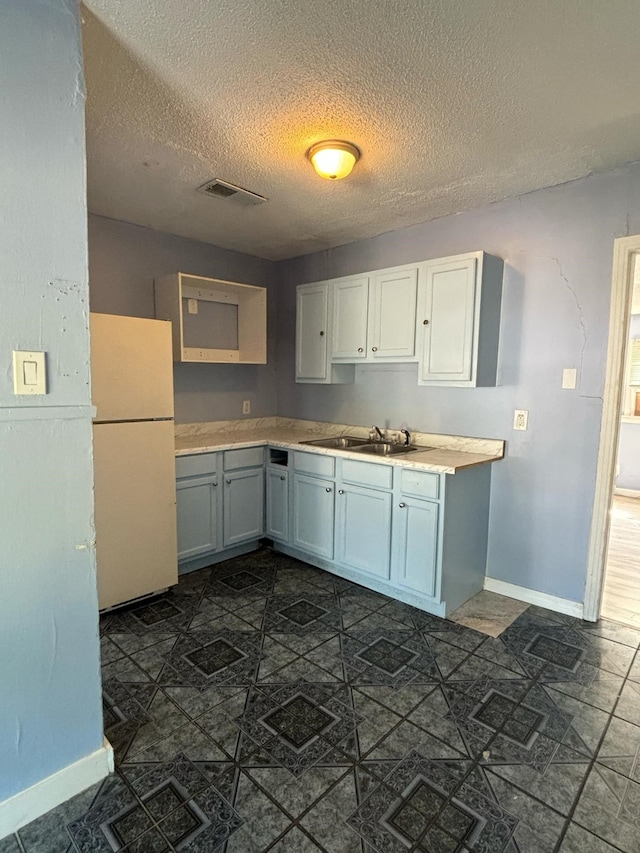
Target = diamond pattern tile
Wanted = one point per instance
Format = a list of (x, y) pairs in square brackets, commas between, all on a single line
[(300, 614), (299, 720), (500, 713), (296, 725), (202, 658), (265, 705), (554, 651), (213, 657), (387, 656), (303, 612)]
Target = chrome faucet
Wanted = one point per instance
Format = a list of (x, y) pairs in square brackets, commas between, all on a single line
[(380, 435), (407, 437)]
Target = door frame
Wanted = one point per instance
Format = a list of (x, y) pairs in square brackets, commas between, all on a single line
[(624, 252)]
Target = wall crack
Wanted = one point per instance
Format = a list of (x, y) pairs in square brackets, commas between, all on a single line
[(581, 320)]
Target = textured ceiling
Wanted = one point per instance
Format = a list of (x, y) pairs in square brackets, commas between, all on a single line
[(454, 104)]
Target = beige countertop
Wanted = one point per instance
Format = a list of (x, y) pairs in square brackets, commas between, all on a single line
[(447, 454)]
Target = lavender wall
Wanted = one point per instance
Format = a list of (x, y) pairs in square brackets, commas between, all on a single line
[(124, 259), (557, 245), (50, 691)]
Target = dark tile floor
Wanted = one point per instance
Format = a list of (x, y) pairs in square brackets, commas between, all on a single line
[(264, 705)]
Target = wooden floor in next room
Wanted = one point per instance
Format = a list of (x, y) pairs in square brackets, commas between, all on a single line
[(621, 600)]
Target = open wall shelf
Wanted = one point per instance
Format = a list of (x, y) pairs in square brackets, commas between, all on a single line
[(213, 320)]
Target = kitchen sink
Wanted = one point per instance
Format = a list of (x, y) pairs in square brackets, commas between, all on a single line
[(364, 445), (383, 448), (339, 442)]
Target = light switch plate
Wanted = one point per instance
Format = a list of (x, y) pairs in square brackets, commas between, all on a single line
[(29, 373), (569, 378)]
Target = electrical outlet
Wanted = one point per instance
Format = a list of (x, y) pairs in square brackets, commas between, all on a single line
[(520, 419), (246, 407)]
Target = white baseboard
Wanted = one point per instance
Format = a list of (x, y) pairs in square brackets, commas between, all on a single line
[(532, 596), (627, 493), (33, 802)]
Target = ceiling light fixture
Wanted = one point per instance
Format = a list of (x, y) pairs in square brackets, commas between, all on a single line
[(333, 158)]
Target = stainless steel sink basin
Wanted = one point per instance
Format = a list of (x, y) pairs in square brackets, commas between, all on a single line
[(380, 448), (339, 442)]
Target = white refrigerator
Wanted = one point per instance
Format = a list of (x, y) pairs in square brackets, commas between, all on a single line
[(134, 457)]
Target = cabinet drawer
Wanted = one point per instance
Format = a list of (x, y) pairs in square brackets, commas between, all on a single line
[(246, 457), (367, 474), (192, 466), (314, 463), (420, 483)]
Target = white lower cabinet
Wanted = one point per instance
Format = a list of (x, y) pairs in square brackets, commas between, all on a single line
[(313, 517), (197, 515), (277, 503), (313, 504), (243, 514), (415, 534), (363, 531), (197, 505), (418, 536), (219, 504)]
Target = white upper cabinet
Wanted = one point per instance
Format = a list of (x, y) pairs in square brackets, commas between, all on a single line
[(458, 320), (374, 316), (313, 337), (447, 309), (392, 314), (444, 314), (350, 314), (311, 333)]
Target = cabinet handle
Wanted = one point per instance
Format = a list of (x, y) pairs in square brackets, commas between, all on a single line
[(283, 478), (327, 489), (214, 484), (402, 506), (341, 491), (228, 482), (321, 334), (360, 349), (374, 349), (425, 322)]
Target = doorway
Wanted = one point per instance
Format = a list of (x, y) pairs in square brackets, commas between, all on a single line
[(611, 521), (621, 591)]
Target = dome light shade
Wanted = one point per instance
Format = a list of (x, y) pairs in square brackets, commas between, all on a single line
[(333, 158)]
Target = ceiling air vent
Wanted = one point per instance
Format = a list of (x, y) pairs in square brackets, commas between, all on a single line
[(224, 190)]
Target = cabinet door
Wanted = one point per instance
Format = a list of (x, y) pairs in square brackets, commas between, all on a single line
[(311, 332), (392, 314), (416, 529), (350, 307), (364, 530), (243, 507), (197, 511), (313, 515), (278, 504), (448, 321)]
